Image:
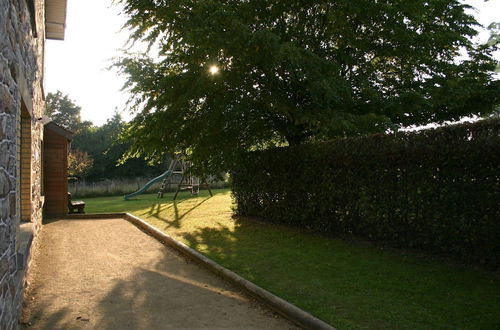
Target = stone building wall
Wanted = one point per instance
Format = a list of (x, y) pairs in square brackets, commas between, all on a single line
[(21, 78)]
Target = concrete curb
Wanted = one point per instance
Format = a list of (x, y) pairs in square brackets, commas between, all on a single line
[(289, 311), (85, 216)]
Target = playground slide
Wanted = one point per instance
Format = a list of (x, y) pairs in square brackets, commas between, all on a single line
[(147, 185)]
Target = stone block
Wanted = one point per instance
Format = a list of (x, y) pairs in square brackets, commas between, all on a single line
[(4, 268), (12, 168), (6, 101), (4, 65), (4, 211), (12, 205), (4, 155), (2, 316), (12, 29), (3, 29), (3, 285), (5, 76), (3, 128), (4, 184), (5, 242), (12, 279), (8, 126), (8, 302)]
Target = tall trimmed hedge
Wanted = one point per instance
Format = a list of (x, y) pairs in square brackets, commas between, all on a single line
[(436, 190)]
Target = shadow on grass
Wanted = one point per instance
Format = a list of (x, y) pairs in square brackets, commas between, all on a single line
[(157, 211), (349, 284), (143, 202), (354, 285)]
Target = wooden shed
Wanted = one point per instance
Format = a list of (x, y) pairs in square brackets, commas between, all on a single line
[(56, 143)]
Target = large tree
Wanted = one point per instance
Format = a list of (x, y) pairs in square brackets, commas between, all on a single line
[(233, 75), (64, 112)]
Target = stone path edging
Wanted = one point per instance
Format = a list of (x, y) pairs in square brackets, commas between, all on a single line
[(279, 305)]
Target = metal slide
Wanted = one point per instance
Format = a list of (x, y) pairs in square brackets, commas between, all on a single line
[(149, 184)]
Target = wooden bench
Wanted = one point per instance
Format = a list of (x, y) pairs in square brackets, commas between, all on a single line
[(79, 206)]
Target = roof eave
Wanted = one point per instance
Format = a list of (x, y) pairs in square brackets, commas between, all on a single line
[(49, 124), (55, 19)]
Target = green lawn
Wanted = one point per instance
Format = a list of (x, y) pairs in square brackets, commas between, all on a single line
[(351, 285)]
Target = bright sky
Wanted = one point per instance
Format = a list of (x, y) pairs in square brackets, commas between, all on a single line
[(77, 65)]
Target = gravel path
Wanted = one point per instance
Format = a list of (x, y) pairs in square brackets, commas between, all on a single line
[(107, 274)]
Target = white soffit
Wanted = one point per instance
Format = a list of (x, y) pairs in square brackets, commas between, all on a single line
[(55, 19)]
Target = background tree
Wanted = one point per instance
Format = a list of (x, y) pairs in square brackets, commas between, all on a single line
[(106, 149), (235, 75), (79, 163), (64, 112), (97, 150)]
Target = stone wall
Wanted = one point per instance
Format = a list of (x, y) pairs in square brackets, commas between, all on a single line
[(21, 77)]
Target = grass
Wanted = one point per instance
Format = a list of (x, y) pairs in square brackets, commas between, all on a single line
[(114, 187), (352, 285)]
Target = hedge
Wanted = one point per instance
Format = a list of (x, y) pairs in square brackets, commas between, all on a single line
[(435, 190)]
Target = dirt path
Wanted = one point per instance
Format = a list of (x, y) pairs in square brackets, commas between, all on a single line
[(107, 274)]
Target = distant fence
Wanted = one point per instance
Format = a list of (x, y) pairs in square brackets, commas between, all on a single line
[(115, 187)]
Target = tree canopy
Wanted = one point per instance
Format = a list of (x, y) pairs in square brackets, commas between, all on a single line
[(96, 150), (494, 39), (103, 146), (232, 75), (64, 112)]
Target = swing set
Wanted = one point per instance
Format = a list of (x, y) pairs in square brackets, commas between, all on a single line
[(178, 167)]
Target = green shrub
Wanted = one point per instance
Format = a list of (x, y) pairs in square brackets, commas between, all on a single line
[(436, 190)]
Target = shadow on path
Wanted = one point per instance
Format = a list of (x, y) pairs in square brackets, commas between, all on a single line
[(108, 274)]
